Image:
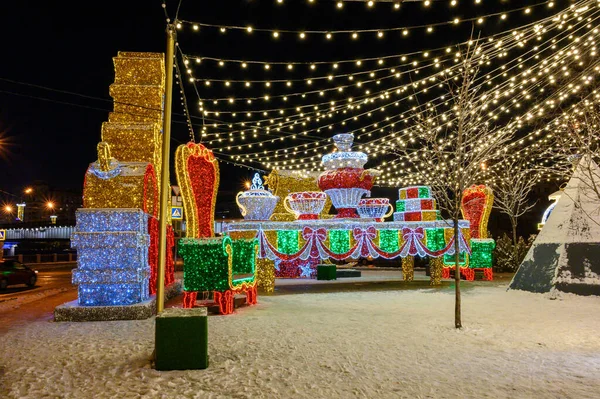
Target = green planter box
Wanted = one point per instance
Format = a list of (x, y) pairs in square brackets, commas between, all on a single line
[(326, 272), (182, 339)]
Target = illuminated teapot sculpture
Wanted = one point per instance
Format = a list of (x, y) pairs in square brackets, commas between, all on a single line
[(256, 203)]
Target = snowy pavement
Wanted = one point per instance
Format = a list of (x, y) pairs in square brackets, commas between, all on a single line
[(382, 344)]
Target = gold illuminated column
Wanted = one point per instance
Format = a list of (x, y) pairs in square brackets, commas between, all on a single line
[(408, 268), (165, 190), (435, 270)]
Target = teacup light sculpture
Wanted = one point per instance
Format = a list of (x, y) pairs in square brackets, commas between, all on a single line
[(305, 205), (375, 208)]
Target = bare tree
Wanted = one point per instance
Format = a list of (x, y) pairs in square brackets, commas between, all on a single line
[(512, 181), (447, 150), (576, 145)]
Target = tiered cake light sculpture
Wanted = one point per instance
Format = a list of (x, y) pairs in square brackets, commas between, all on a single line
[(416, 204), (346, 181), (117, 231)]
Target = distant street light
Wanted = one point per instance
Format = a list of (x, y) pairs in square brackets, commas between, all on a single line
[(28, 190), (8, 209), (50, 205)]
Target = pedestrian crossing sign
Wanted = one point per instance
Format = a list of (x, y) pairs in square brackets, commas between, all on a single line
[(176, 213), (2, 235)]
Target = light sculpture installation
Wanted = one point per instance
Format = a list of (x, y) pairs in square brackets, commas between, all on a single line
[(221, 266), (256, 203), (117, 230), (476, 205), (283, 182), (296, 247), (416, 204), (305, 205), (375, 208), (345, 181), (197, 172), (112, 255)]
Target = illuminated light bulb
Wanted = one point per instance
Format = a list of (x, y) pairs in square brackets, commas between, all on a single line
[(456, 20), (551, 4), (358, 63), (178, 25), (396, 5), (249, 29), (207, 83), (380, 34), (370, 3), (275, 34), (312, 66), (223, 30), (405, 32), (503, 16), (527, 10), (480, 21), (340, 4), (280, 1), (244, 65), (335, 66), (198, 60), (354, 35), (290, 66), (267, 66), (196, 27), (328, 36), (430, 29), (221, 63), (302, 35)]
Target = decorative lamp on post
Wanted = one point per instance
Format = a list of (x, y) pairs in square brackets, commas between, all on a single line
[(21, 212)]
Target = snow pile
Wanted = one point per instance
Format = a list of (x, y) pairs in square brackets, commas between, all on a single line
[(383, 344)]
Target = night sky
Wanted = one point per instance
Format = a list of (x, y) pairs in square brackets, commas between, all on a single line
[(68, 47)]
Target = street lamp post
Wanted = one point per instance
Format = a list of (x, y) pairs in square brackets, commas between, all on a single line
[(50, 206), (8, 210)]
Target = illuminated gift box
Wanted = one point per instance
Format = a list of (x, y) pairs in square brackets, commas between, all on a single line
[(129, 185), (417, 216), (112, 256), (415, 192), (415, 204)]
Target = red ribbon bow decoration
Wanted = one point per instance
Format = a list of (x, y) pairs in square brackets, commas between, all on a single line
[(413, 242), (314, 238), (408, 233), (309, 233), (369, 233)]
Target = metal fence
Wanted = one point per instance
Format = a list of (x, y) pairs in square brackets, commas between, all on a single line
[(40, 233)]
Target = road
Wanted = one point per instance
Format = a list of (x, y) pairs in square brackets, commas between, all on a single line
[(20, 305)]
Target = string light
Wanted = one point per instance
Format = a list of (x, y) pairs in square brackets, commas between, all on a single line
[(320, 91)]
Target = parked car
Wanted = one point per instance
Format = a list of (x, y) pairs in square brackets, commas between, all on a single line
[(13, 272)]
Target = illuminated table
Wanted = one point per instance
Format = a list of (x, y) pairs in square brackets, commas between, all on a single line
[(340, 239)]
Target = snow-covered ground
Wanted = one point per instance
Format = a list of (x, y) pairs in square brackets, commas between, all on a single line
[(383, 344)]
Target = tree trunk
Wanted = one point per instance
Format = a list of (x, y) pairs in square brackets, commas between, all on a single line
[(515, 252), (457, 315)]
